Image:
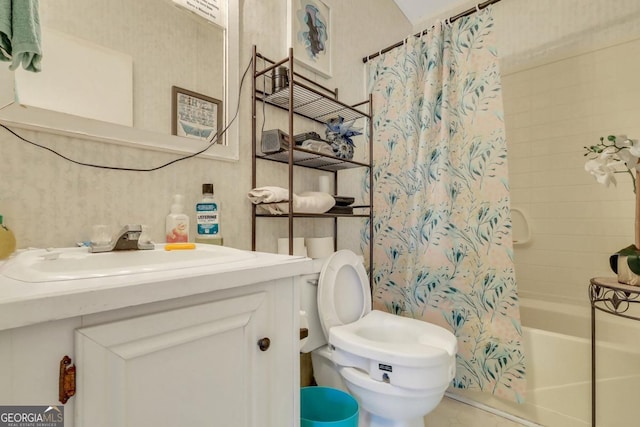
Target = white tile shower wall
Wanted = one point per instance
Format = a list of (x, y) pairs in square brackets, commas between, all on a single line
[(50, 202), (551, 112)]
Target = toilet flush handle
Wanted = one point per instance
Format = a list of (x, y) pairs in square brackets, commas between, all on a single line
[(264, 343)]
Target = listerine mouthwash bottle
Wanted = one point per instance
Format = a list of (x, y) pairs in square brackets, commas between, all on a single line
[(208, 218)]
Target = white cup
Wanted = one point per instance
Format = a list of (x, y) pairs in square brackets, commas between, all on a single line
[(319, 247), (298, 246)]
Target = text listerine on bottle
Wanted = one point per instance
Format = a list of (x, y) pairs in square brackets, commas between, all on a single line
[(208, 220)]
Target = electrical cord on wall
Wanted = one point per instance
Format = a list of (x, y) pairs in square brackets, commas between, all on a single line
[(212, 141)]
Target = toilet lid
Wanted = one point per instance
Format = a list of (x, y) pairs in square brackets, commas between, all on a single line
[(343, 291)]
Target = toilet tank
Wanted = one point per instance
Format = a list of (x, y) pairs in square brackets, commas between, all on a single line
[(309, 305)]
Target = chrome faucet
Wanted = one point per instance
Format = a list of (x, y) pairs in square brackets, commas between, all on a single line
[(128, 238)]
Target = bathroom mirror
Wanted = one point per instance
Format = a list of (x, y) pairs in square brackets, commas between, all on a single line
[(162, 45)]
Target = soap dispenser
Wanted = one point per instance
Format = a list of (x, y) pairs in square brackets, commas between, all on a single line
[(7, 241), (177, 223)]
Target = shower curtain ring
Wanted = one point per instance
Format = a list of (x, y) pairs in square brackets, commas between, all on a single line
[(478, 7)]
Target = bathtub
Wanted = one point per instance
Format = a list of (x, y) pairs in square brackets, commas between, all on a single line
[(557, 343)]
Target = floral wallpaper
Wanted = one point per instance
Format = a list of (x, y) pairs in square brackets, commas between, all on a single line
[(442, 228)]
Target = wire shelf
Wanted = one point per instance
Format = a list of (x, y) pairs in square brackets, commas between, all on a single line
[(313, 159), (308, 215), (312, 105)]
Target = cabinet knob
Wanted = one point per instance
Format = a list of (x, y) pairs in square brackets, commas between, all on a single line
[(264, 343)]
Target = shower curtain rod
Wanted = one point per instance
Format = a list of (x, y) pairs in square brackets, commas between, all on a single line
[(467, 12)]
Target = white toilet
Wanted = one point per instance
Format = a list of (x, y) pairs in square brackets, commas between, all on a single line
[(396, 367)]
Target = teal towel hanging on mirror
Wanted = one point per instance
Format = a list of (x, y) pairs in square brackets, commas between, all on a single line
[(20, 40), (5, 30)]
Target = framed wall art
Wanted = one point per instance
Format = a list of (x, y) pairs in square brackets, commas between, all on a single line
[(195, 115), (310, 34)]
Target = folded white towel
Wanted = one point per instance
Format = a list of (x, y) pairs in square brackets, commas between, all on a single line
[(275, 200), (312, 202), (268, 195)]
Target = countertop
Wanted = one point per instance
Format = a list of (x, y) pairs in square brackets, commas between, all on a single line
[(23, 303)]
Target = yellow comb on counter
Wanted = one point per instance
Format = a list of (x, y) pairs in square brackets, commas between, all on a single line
[(179, 246)]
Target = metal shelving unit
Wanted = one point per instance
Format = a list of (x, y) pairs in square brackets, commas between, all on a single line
[(305, 99), (608, 296)]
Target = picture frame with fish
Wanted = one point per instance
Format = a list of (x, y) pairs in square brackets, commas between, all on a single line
[(309, 34), (195, 115)]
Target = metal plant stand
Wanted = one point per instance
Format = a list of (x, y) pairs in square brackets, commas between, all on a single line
[(606, 294)]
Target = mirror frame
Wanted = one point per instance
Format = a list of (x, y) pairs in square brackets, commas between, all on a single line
[(14, 114)]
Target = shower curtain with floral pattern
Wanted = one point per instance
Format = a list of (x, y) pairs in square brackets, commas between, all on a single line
[(442, 228)]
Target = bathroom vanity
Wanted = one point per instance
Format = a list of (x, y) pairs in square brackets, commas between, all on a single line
[(164, 344)]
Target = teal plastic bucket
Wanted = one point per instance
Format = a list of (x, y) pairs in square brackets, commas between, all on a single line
[(327, 407)]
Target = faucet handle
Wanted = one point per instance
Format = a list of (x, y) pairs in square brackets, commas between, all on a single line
[(100, 235), (127, 238), (145, 242)]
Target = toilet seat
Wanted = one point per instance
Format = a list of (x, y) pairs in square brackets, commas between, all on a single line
[(343, 291), (396, 340), (393, 349), (344, 307)]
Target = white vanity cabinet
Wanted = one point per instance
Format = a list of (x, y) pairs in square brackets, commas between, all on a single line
[(227, 356), (202, 365)]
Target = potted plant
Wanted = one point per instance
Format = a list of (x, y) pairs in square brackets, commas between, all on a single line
[(619, 154)]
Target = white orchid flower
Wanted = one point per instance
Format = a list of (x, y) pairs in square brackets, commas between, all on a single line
[(634, 149), (630, 160), (628, 150), (603, 168), (615, 154), (621, 141)]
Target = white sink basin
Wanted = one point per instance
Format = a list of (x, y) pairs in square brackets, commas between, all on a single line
[(59, 264)]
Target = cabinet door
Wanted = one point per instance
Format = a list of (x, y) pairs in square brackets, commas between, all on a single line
[(30, 362), (194, 366)]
